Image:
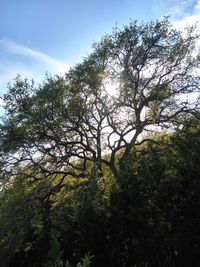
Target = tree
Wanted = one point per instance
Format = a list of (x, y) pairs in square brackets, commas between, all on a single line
[(69, 126)]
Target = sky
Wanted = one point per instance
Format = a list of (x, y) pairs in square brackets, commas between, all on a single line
[(39, 36)]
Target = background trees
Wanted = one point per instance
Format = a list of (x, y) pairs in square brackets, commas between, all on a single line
[(151, 218)]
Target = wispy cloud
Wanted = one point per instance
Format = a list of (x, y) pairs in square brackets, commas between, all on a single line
[(180, 11), (15, 48), (20, 59), (181, 8)]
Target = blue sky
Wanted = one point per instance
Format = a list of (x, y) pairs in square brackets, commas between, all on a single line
[(50, 35)]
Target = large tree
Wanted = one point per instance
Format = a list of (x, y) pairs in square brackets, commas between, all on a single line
[(70, 126)]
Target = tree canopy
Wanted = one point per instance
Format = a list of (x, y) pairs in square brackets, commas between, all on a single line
[(70, 126)]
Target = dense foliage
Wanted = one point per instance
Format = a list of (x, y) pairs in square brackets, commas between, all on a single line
[(151, 219), (94, 179)]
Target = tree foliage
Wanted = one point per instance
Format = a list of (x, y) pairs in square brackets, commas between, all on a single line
[(67, 125)]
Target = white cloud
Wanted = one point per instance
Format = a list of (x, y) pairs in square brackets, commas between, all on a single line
[(190, 19), (181, 12), (184, 12)]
